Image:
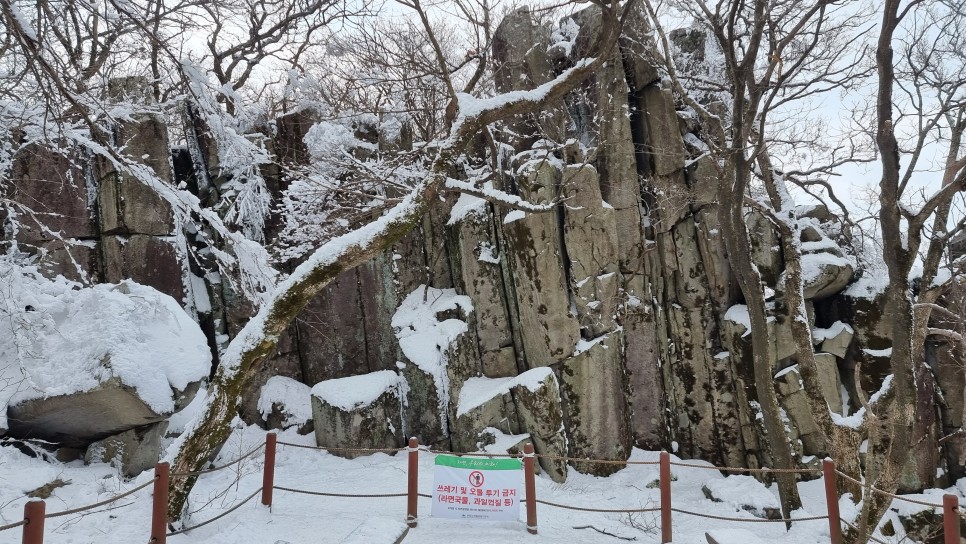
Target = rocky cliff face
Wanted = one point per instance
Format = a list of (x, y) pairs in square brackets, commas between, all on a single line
[(621, 298)]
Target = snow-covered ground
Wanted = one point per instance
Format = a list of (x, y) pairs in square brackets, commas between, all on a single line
[(296, 518)]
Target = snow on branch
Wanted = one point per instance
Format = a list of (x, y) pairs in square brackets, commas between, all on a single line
[(489, 193)]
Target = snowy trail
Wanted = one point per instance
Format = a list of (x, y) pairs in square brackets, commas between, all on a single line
[(296, 518)]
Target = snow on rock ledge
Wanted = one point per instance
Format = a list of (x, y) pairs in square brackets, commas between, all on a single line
[(284, 402), (88, 362), (358, 412)]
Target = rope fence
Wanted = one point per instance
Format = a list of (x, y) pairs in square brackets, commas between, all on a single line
[(34, 511), (886, 493), (115, 498), (216, 469), (746, 520)]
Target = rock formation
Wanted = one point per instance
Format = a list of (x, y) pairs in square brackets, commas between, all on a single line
[(621, 300)]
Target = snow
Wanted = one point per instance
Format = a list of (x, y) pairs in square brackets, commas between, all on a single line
[(293, 396), (70, 339), (870, 285), (477, 391), (503, 441), (424, 339), (854, 421), (354, 391), (586, 345), (470, 106), (297, 518), (488, 253), (814, 264), (835, 329), (466, 206), (514, 215), (735, 536), (887, 352), (743, 493), (739, 314)]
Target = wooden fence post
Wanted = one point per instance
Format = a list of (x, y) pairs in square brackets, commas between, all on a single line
[(413, 483), (951, 519), (832, 501), (268, 475), (33, 514), (159, 508), (531, 488), (664, 479)]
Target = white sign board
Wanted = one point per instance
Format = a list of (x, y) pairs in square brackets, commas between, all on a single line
[(475, 488)]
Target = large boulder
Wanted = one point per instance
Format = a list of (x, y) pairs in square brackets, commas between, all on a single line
[(359, 412), (528, 403), (97, 361)]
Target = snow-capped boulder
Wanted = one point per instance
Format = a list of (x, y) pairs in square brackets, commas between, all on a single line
[(87, 363), (537, 397), (484, 403), (358, 412), (835, 339), (285, 403)]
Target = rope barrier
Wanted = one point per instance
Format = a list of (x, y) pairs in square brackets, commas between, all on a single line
[(872, 538), (342, 495), (344, 450), (595, 461), (750, 470), (219, 516), (542, 456), (101, 503), (216, 469), (471, 454), (12, 525), (886, 493), (746, 520), (600, 510)]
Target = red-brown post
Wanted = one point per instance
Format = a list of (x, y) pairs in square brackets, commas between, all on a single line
[(665, 482), (412, 491), (531, 488), (951, 519), (159, 508), (832, 501), (33, 514), (268, 475)]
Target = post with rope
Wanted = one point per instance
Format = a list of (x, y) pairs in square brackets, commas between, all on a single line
[(412, 491), (665, 482), (159, 507), (531, 488), (832, 501), (951, 519), (268, 475), (33, 515)]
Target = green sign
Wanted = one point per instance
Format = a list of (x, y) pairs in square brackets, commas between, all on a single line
[(478, 463)]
